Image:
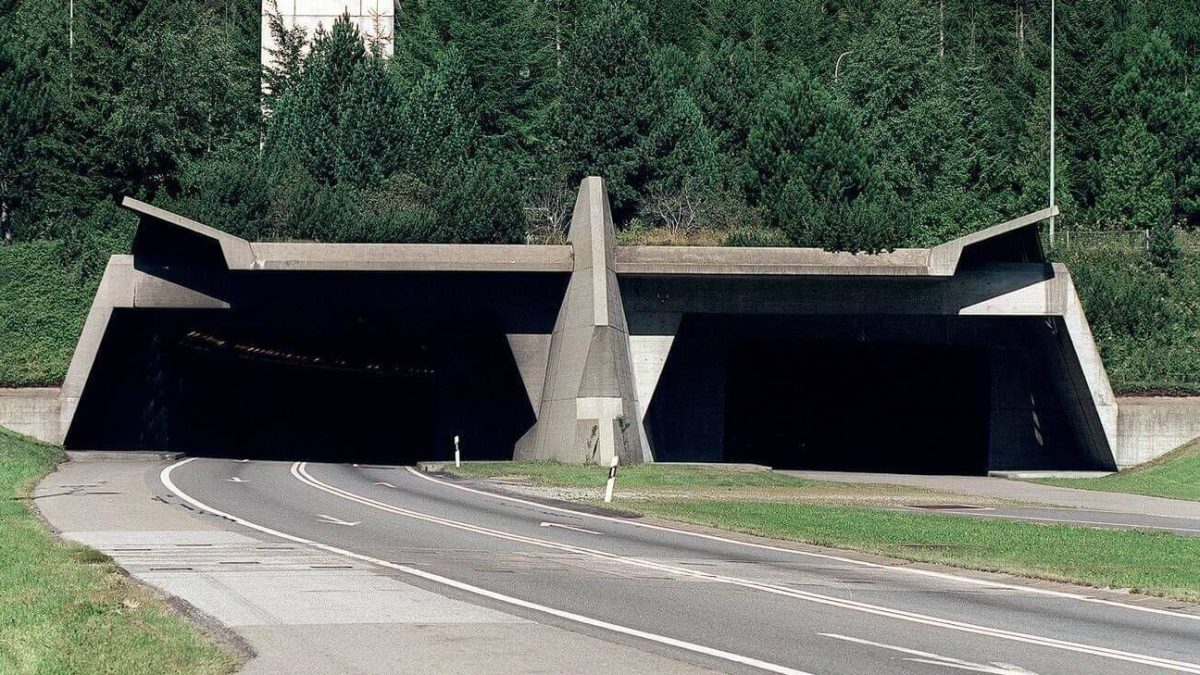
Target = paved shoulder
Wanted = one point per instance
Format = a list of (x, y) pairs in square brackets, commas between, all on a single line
[(300, 609)]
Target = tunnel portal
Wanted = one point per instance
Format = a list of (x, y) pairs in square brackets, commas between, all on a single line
[(343, 386)]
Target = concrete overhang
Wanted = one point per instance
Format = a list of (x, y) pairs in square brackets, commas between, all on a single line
[(762, 261), (163, 234), (1017, 236), (237, 254)]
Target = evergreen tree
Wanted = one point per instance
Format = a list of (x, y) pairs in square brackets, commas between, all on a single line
[(438, 123), (1136, 192), (480, 203), (505, 61), (609, 103), (306, 121), (685, 175)]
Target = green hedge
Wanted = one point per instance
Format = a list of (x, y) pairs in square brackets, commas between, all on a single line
[(1145, 319), (43, 302)]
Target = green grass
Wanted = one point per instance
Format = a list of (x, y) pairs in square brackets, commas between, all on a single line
[(69, 609), (1175, 475), (43, 304), (636, 476), (1154, 563)]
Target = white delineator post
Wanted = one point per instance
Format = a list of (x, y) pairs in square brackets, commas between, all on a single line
[(612, 478), (457, 453)]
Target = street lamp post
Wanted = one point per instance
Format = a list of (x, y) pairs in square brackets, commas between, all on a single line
[(1051, 122)]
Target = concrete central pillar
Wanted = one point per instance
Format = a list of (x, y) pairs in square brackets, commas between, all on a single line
[(589, 409)]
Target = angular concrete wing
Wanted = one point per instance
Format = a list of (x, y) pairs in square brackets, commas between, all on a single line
[(589, 410)]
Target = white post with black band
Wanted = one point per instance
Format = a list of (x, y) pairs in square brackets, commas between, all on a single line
[(457, 454), (612, 478)]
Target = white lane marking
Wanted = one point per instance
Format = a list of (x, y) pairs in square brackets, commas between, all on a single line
[(938, 659), (810, 554), (321, 517), (235, 479), (165, 477), (384, 483), (1097, 523), (241, 461), (299, 471), (570, 527)]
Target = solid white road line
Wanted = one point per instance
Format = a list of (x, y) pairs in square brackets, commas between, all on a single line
[(938, 659), (165, 477), (299, 471), (810, 554)]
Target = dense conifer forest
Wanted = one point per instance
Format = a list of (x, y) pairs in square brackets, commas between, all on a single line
[(858, 125)]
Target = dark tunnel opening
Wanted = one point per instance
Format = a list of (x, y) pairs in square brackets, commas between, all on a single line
[(857, 407), (857, 393), (368, 387)]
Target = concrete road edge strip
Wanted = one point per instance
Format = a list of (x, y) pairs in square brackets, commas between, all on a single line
[(165, 477), (825, 556)]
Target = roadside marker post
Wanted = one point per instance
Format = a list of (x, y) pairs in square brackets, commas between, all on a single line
[(457, 453), (612, 478)]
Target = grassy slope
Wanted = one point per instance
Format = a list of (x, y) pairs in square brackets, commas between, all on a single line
[(1175, 475), (1149, 562), (42, 308), (68, 609)]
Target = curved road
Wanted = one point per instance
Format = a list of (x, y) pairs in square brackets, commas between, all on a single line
[(726, 604)]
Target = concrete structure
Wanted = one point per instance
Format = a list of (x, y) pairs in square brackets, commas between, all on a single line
[(1150, 426), (33, 412), (967, 357), (374, 18)]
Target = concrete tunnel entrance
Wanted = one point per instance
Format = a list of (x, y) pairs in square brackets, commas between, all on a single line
[(371, 387), (927, 394), (857, 407)]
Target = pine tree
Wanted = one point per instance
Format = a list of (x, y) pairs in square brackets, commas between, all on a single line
[(685, 175), (308, 118), (438, 123), (1136, 192), (814, 174), (506, 62), (609, 103)]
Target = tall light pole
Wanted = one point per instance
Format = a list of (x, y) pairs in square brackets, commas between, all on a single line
[(1052, 121)]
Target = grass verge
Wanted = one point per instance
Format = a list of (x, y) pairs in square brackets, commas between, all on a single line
[(42, 308), (1154, 563), (635, 476), (1175, 475), (68, 609)]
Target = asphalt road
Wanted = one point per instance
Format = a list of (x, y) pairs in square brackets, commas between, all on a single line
[(716, 602)]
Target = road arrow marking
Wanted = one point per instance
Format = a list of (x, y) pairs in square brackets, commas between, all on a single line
[(235, 479), (241, 461), (384, 483), (336, 521), (993, 668), (571, 527)]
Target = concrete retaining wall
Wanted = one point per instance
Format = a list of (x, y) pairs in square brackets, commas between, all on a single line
[(32, 412), (1152, 426)]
